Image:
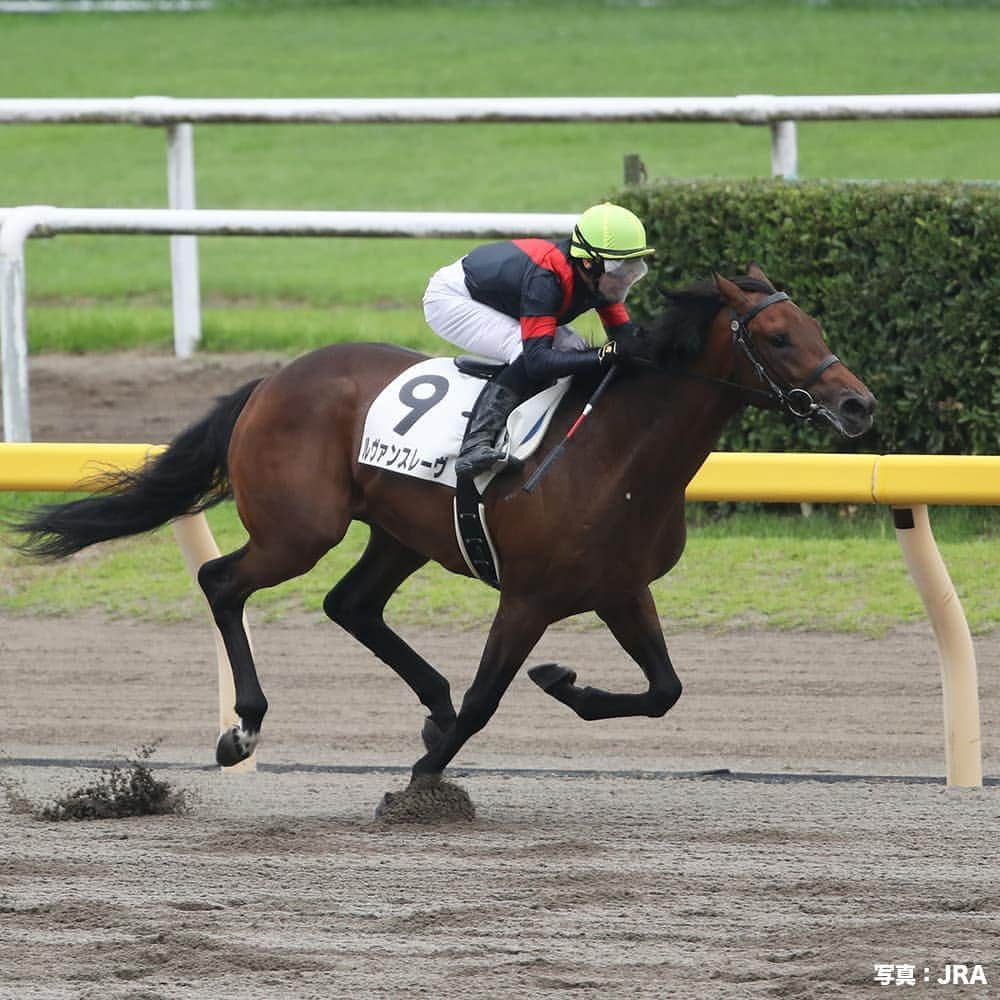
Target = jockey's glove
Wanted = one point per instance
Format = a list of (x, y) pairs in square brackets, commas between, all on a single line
[(624, 347), (609, 354)]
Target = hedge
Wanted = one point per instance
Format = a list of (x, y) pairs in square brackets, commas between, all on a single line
[(903, 277)]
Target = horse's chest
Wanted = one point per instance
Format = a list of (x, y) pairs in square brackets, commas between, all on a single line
[(642, 536)]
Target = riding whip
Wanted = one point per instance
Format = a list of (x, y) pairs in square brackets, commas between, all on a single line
[(533, 479)]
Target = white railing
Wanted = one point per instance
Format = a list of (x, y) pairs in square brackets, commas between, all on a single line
[(748, 109), (19, 224), (178, 115)]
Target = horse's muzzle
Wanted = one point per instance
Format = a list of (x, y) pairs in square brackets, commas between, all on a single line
[(854, 413)]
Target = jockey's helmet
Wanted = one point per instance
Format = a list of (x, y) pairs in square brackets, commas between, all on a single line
[(609, 232)]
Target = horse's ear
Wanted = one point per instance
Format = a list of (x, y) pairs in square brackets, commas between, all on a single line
[(731, 293), (754, 270)]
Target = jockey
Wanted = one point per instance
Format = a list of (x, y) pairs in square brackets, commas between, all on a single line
[(513, 302)]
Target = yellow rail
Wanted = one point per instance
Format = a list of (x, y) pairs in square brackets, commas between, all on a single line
[(906, 482), (895, 480), (63, 467)]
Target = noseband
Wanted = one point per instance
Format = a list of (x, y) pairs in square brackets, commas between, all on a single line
[(796, 399)]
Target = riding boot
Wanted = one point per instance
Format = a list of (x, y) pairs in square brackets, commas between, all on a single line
[(489, 417)]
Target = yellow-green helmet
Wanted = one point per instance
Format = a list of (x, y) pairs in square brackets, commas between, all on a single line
[(609, 232)]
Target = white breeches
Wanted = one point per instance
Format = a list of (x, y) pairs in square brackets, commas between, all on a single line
[(457, 317)]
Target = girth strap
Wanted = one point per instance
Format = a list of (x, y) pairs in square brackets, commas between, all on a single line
[(473, 536)]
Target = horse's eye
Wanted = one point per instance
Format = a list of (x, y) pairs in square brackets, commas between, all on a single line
[(780, 340)]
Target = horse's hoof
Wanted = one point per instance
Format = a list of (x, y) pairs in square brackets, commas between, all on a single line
[(550, 675), (428, 799), (234, 745)]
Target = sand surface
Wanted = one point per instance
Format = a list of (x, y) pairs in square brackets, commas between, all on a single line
[(601, 864)]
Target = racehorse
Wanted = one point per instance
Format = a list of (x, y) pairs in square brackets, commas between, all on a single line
[(599, 527)]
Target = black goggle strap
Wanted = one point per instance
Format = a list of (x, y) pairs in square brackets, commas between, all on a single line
[(581, 241)]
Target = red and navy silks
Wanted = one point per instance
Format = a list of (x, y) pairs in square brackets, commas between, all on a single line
[(533, 281)]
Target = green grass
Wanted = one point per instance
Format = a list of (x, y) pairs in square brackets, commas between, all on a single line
[(106, 293), (446, 49), (233, 328), (828, 572)]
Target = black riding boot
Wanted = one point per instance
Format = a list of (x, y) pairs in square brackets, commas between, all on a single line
[(489, 416)]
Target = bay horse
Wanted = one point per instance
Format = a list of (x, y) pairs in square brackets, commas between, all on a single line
[(604, 522)]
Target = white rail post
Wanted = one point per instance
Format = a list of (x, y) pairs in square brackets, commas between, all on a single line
[(183, 249), (784, 150), (16, 229), (198, 545), (963, 750), (14, 356)]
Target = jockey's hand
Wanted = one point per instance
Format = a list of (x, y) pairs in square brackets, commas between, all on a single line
[(625, 348), (609, 354)]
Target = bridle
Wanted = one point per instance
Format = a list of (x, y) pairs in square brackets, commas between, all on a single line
[(796, 399)]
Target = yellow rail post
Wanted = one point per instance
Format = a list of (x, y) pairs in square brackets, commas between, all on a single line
[(959, 680)]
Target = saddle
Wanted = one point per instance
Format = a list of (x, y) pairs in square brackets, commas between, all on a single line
[(484, 368)]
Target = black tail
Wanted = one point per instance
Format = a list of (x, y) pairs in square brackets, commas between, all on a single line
[(188, 477)]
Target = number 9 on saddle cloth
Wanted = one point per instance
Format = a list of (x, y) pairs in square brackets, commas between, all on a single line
[(415, 425)]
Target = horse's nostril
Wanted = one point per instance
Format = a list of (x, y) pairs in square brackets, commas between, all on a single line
[(857, 407)]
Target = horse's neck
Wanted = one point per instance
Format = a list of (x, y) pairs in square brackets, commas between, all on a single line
[(675, 420), (678, 422)]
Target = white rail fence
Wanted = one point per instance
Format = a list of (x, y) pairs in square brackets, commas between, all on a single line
[(40, 220), (178, 115)]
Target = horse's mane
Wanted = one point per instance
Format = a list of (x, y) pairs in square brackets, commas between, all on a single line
[(678, 334)]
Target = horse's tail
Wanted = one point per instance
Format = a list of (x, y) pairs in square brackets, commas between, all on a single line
[(190, 476)]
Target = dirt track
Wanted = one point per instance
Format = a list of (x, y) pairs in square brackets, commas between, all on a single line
[(621, 879)]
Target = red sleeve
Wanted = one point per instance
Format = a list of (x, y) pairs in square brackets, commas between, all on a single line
[(537, 326), (613, 315)]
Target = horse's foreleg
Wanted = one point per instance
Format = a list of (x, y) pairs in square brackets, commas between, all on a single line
[(515, 630), (635, 624), (357, 604)]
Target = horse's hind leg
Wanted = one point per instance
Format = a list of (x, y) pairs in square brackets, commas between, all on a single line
[(636, 626), (357, 604), (227, 583)]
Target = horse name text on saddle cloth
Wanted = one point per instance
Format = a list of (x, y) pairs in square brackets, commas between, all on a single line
[(416, 423)]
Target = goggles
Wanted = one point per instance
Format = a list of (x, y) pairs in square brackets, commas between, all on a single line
[(619, 276)]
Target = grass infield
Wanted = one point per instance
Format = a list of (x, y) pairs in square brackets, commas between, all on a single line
[(831, 571), (838, 570)]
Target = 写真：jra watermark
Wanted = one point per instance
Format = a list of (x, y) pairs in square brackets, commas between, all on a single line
[(904, 974)]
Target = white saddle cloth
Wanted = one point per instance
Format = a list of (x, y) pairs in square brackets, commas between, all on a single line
[(416, 424)]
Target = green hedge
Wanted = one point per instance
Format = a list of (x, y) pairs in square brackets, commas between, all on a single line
[(905, 279)]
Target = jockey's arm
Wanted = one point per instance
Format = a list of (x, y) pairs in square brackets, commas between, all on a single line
[(544, 364), (617, 323)]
